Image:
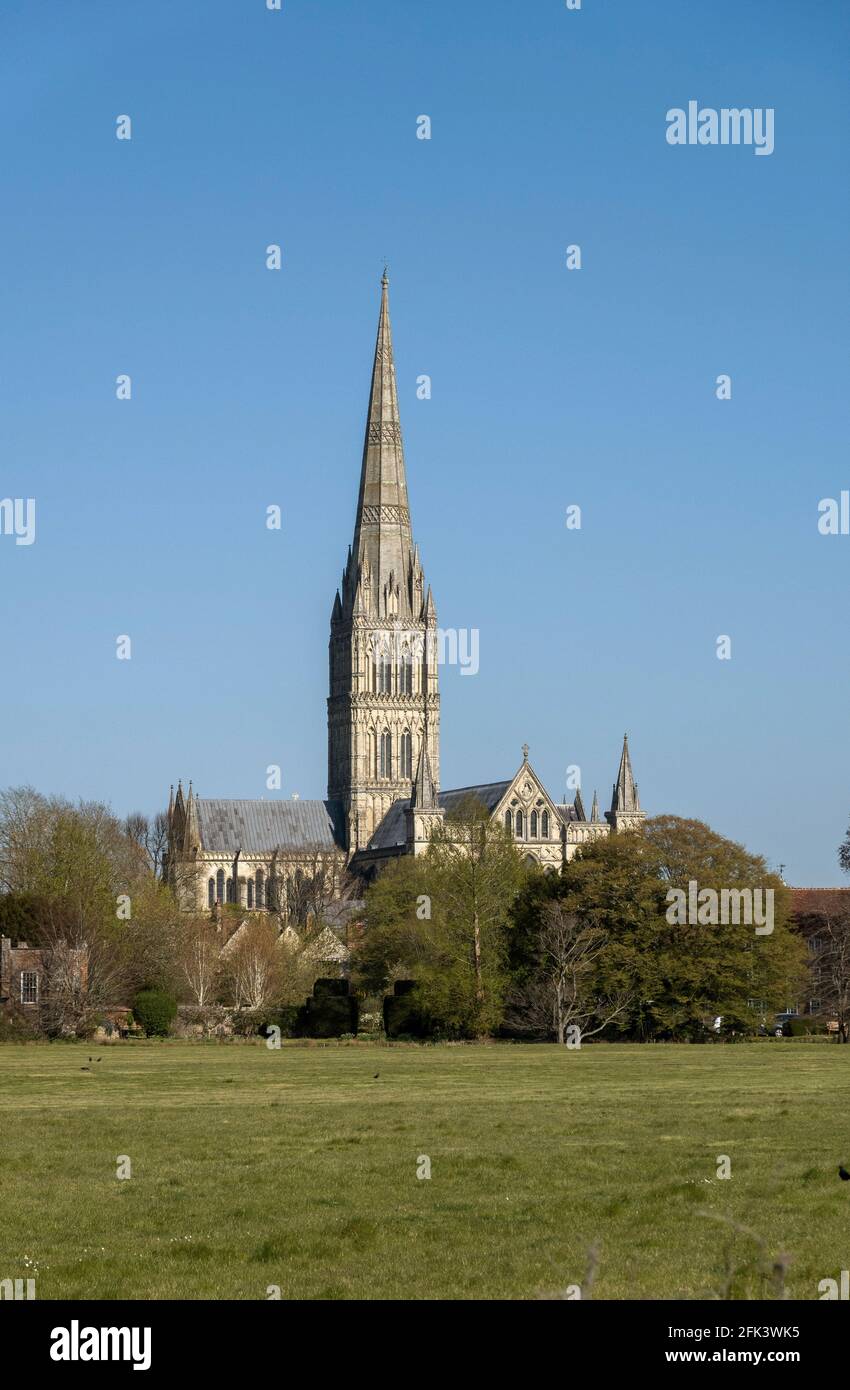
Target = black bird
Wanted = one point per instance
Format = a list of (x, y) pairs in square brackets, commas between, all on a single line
[(89, 1058), (843, 1174), (85, 1068), (377, 1074)]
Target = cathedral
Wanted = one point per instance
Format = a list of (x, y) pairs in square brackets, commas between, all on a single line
[(384, 795)]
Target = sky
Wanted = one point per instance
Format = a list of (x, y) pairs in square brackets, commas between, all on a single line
[(593, 387)]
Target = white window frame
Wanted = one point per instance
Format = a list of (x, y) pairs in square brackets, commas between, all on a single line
[(29, 975)]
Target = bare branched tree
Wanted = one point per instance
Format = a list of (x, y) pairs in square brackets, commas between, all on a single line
[(151, 835), (831, 962), (200, 949), (252, 964), (561, 993)]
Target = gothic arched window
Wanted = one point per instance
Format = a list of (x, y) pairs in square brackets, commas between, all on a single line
[(519, 825), (259, 897), (406, 755), (230, 897), (534, 825), (386, 755), (406, 673), (250, 892), (509, 822), (211, 892), (544, 834), (373, 754), (219, 889)]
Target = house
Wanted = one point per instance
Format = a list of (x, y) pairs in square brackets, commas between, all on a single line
[(25, 974)]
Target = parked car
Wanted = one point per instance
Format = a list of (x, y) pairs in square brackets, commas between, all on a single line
[(781, 1024)]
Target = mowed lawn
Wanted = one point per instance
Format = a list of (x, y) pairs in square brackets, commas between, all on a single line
[(298, 1168)]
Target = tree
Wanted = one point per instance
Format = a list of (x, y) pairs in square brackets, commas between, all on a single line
[(442, 919), (252, 964), (151, 835), (89, 890), (561, 991), (679, 975), (844, 852), (199, 951), (832, 969)]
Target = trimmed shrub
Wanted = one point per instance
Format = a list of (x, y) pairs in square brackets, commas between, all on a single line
[(403, 1018), (155, 1011), (328, 1014), (285, 1018), (330, 988)]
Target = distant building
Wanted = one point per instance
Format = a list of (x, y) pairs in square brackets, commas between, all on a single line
[(384, 796), (815, 912), (25, 973)]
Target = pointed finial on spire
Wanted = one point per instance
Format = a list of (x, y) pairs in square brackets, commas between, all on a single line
[(424, 795), (385, 279), (624, 795)]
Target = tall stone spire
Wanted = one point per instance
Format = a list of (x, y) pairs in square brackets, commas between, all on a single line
[(192, 832), (382, 558), (625, 803), (625, 797), (594, 811), (384, 703)]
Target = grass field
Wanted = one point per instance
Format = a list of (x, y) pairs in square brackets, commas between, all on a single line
[(298, 1168)]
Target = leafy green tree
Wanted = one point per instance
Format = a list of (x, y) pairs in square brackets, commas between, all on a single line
[(442, 919), (678, 975), (82, 881)]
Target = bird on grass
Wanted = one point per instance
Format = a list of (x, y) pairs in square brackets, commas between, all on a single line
[(842, 1173), (375, 1077), (85, 1068)]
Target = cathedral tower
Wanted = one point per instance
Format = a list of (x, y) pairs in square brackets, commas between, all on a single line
[(384, 702)]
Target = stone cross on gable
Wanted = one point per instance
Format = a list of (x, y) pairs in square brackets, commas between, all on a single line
[(525, 752)]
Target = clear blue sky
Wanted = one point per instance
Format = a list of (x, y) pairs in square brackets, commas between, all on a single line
[(550, 387)]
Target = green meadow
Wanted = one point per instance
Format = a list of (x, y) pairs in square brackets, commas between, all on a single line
[(297, 1168)]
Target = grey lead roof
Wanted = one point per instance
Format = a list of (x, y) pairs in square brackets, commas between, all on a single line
[(393, 828), (257, 827)]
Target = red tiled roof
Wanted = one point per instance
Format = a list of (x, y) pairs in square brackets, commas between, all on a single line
[(808, 901)]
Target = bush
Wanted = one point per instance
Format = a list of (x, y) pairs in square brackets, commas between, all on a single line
[(404, 1019), (16, 1027), (155, 1011), (330, 988), (284, 1018), (801, 1027), (328, 1014)]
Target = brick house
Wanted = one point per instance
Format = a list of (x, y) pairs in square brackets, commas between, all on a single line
[(813, 909), (24, 976)]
